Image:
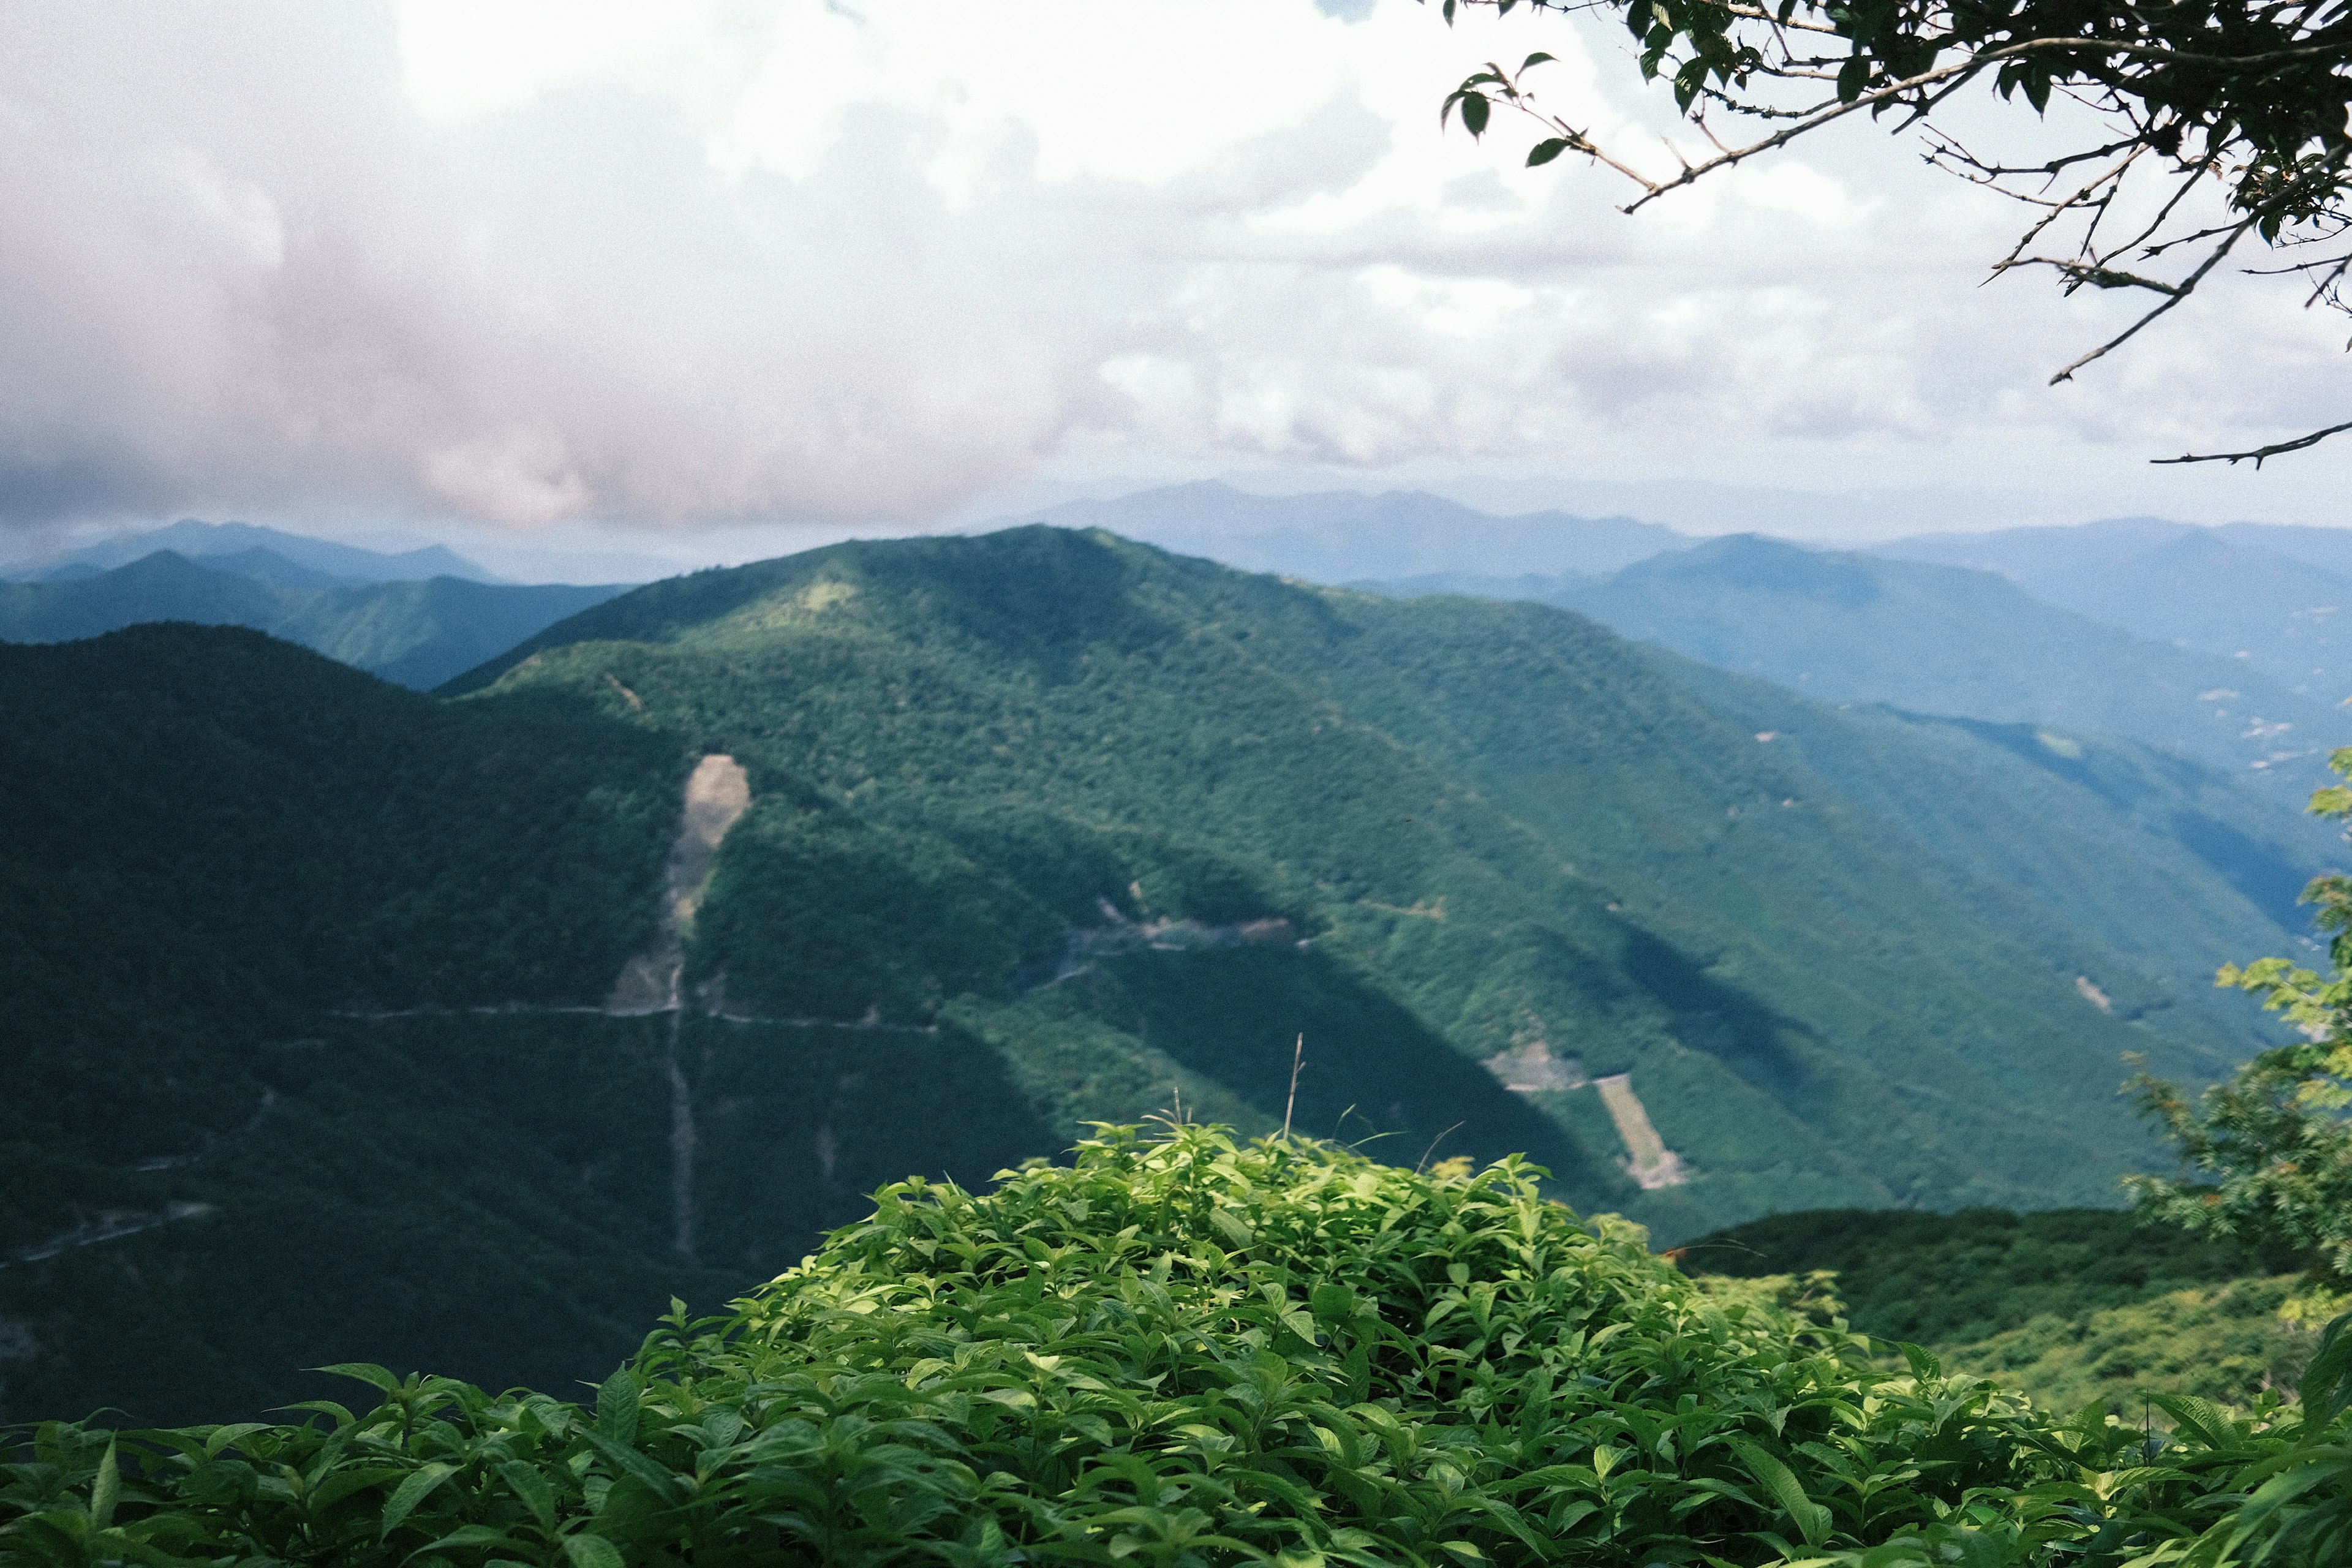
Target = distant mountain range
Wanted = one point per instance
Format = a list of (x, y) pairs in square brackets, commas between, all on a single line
[(346, 1009), (418, 632), (1938, 639), (2278, 598), (1340, 536), (250, 550)]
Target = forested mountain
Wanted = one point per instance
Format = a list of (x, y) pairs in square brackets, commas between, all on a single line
[(2278, 598), (418, 633), (1930, 638), (1042, 826)]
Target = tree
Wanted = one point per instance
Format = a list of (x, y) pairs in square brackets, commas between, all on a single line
[(2189, 128), (2271, 1144)]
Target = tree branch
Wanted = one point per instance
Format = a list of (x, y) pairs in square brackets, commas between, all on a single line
[(2276, 448)]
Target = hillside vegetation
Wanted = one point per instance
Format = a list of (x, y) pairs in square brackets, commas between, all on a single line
[(2069, 1305), (1045, 828), (1495, 828), (1177, 1351)]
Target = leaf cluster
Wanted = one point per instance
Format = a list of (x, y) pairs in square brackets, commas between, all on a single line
[(1178, 1351), (2272, 1142)]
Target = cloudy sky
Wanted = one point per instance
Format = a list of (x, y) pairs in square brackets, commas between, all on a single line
[(548, 269)]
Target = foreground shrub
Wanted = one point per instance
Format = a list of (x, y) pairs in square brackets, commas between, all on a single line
[(1178, 1351)]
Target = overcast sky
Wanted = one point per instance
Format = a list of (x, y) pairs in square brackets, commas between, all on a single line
[(735, 271)]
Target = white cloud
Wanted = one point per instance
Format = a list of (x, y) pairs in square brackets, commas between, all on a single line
[(524, 262)]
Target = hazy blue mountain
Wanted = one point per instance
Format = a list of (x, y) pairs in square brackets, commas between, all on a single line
[(2278, 598), (2049, 550), (2040, 552), (1949, 640), (1340, 536), (237, 541), (163, 587), (418, 634), (269, 566), (2330, 549)]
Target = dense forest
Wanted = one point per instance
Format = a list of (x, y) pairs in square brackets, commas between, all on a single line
[(1045, 827)]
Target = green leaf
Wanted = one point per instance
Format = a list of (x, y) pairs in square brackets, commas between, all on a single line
[(224, 1438), (471, 1537), (1332, 1302), (1813, 1518), (366, 1372), (1474, 109), (2326, 1386), (409, 1493), (618, 1402), (1853, 77), (105, 1489), (529, 1485), (1544, 151), (592, 1551)]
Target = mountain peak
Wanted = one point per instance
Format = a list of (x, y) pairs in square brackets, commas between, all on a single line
[(1755, 562)]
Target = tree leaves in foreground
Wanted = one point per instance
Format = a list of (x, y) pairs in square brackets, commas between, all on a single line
[(1181, 1351), (2273, 1142)]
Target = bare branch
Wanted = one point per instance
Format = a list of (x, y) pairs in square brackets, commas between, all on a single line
[(2180, 291), (2258, 454)]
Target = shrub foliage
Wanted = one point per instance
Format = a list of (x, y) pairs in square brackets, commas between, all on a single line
[(1178, 1349)]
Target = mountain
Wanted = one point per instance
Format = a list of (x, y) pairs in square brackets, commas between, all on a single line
[(233, 547), (2095, 831), (419, 634), (1338, 536), (2050, 550), (1848, 627), (2280, 599), (461, 1030)]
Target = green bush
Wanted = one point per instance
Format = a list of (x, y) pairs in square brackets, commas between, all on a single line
[(1181, 1351)]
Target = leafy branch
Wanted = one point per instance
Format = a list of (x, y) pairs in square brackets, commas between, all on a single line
[(2222, 120)]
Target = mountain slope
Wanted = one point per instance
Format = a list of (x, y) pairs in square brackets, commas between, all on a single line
[(2097, 831), (418, 633), (1947, 641), (1499, 815), (352, 1015)]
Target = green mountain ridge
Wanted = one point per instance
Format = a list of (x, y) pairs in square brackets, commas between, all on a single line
[(418, 633), (1043, 827)]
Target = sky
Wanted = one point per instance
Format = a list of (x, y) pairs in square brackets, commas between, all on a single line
[(725, 279)]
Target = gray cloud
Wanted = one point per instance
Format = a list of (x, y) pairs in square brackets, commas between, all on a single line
[(243, 273)]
